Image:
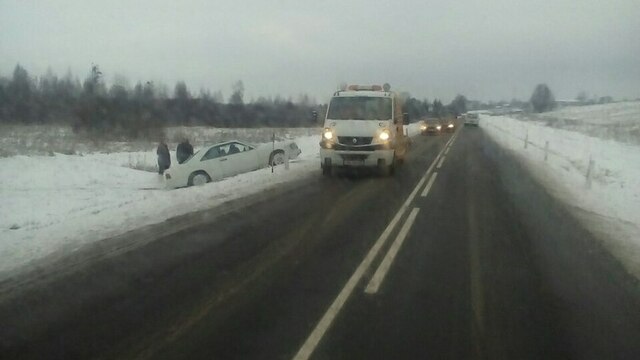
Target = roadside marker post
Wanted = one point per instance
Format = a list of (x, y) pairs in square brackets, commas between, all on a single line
[(286, 160), (590, 169), (546, 150)]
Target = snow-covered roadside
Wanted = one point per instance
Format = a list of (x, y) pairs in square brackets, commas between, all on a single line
[(599, 179), (48, 203), (616, 121), (61, 202)]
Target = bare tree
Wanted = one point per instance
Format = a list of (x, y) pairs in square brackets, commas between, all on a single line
[(542, 99), (458, 105), (237, 95)]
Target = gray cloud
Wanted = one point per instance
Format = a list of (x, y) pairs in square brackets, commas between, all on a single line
[(486, 49)]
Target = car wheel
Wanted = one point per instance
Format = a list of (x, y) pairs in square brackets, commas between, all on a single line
[(199, 178), (276, 158)]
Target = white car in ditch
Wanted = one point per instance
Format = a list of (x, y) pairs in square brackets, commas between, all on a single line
[(228, 159)]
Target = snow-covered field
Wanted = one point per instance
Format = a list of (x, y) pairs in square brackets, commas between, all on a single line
[(60, 202), (616, 121), (598, 178), (52, 139)]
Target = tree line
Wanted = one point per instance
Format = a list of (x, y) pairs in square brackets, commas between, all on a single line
[(144, 110)]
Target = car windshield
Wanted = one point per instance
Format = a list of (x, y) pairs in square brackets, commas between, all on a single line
[(195, 154), (360, 108)]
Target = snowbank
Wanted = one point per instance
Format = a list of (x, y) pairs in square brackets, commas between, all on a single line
[(616, 121), (598, 178), (61, 202), (57, 202)]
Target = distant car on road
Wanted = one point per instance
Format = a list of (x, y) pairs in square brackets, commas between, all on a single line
[(228, 159), (471, 119), (430, 127), (448, 125)]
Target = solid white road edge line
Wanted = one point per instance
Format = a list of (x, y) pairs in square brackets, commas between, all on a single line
[(429, 184), (385, 265), (318, 332)]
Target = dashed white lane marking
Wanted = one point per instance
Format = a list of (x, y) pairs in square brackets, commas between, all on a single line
[(429, 184), (447, 151), (441, 161), (327, 319), (379, 275), (310, 344)]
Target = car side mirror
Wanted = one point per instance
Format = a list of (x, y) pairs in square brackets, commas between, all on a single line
[(405, 118)]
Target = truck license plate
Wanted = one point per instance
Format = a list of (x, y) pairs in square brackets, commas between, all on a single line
[(354, 162)]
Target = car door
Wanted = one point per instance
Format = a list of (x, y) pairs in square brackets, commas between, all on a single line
[(213, 162), (241, 158)]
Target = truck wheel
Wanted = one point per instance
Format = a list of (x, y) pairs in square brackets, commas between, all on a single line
[(388, 170)]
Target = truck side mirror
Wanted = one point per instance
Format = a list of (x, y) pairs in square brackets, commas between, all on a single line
[(405, 118)]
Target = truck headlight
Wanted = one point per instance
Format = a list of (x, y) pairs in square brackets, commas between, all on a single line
[(327, 134), (384, 135), (423, 127), (450, 125), (439, 127)]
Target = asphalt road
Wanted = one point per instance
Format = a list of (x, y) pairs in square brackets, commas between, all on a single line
[(484, 265)]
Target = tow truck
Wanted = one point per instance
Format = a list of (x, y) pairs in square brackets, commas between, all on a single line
[(364, 128)]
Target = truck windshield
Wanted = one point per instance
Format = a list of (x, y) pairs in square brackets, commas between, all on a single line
[(360, 108)]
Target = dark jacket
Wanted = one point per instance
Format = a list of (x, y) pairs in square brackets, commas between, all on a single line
[(183, 151), (164, 160)]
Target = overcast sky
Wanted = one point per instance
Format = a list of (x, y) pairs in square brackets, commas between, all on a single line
[(484, 49)]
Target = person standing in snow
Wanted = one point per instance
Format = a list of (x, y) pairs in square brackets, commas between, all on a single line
[(164, 159), (184, 151)]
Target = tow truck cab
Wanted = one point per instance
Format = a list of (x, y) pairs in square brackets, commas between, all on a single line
[(363, 127)]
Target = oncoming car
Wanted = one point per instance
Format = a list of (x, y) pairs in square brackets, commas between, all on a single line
[(448, 125), (228, 159), (430, 127)]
